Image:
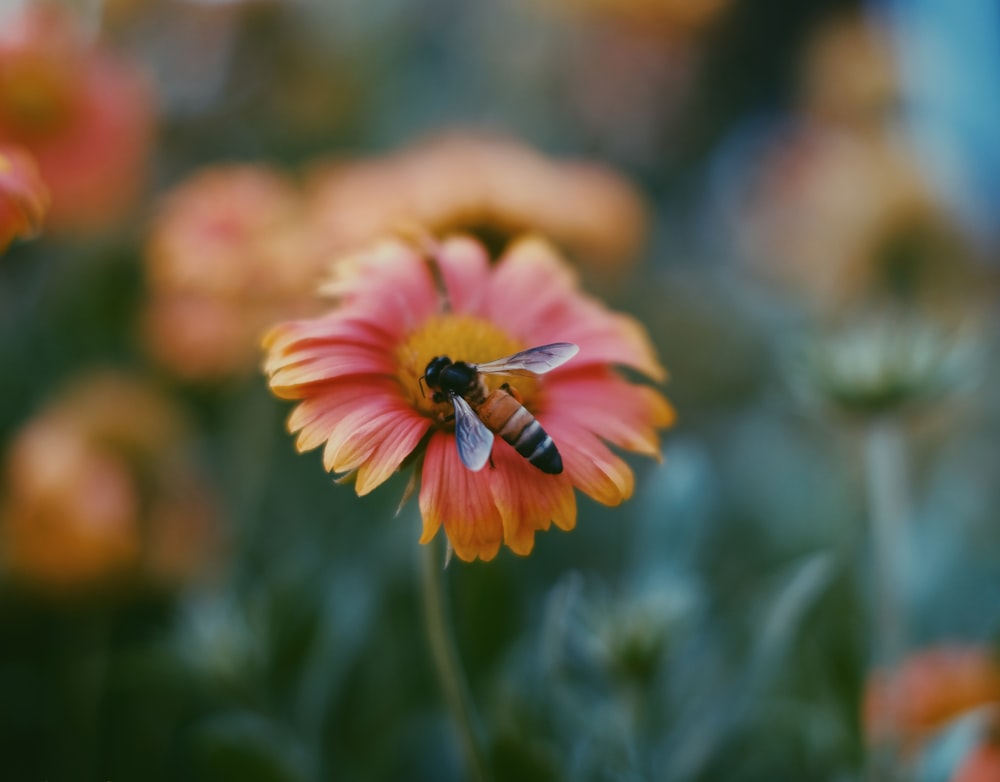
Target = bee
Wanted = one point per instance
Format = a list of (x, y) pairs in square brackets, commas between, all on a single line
[(481, 413)]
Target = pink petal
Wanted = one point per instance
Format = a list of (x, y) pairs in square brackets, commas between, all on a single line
[(461, 500), (338, 327), (332, 362), (391, 282), (622, 413), (358, 433), (529, 280), (465, 269), (315, 417), (604, 338), (592, 467), (395, 446), (528, 500), (532, 281)]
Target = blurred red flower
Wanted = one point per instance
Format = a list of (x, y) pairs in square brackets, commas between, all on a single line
[(86, 116)]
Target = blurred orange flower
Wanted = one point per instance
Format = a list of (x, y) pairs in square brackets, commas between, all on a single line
[(84, 114), (842, 219), (24, 199), (227, 255), (929, 689), (359, 375), (98, 488), (491, 186), (848, 76)]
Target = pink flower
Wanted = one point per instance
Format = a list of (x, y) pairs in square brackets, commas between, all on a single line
[(84, 114), (358, 372), (492, 186), (227, 255)]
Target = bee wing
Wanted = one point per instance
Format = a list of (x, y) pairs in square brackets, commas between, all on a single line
[(535, 360), (474, 439)]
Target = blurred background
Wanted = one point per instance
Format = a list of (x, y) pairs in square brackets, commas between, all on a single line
[(798, 199)]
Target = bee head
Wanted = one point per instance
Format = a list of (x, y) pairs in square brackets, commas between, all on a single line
[(432, 375)]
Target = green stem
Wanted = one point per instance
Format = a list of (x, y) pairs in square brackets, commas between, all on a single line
[(889, 507), (448, 665)]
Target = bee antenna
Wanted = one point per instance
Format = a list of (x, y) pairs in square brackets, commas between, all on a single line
[(422, 381)]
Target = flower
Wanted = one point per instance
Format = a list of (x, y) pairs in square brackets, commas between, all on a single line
[(227, 256), (843, 226), (493, 186), (83, 113), (98, 489), (358, 375), (929, 689), (24, 198), (848, 75)]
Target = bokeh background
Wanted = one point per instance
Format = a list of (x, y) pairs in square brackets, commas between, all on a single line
[(798, 199)]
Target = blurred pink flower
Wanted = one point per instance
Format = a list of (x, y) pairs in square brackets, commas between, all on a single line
[(358, 375), (491, 186), (228, 254), (83, 113), (24, 199)]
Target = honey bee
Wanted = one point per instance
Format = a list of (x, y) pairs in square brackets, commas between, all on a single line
[(481, 413)]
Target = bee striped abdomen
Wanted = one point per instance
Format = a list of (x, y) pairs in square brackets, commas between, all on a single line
[(512, 421)]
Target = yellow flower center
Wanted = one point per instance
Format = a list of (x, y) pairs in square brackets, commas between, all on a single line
[(460, 338)]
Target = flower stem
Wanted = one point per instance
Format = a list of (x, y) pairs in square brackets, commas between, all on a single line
[(445, 656), (889, 507)]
